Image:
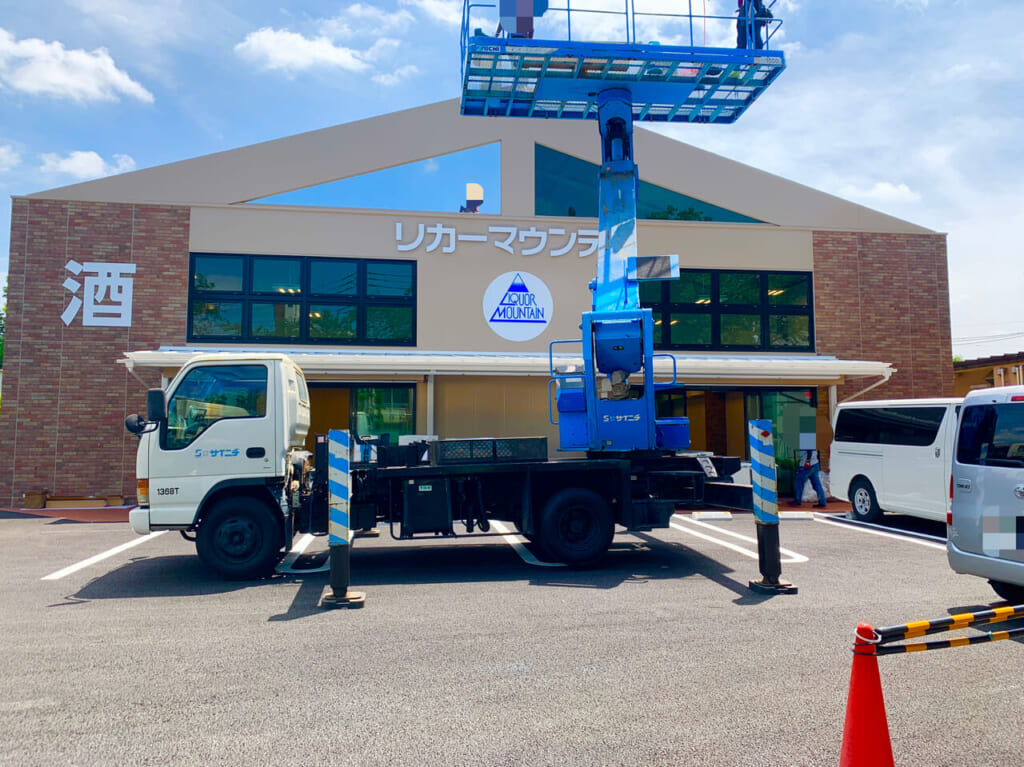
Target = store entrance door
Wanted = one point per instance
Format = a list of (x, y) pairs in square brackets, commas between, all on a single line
[(328, 409)]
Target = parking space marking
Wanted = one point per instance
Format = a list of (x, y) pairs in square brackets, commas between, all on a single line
[(788, 557), (100, 557), (517, 543), (921, 539)]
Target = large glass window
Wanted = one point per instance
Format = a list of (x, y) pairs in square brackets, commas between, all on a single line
[(732, 310), (302, 300), (210, 394), (567, 186), (384, 410)]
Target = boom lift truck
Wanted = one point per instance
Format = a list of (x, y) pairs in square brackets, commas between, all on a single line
[(221, 451)]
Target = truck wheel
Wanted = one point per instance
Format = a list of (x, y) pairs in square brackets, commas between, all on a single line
[(1011, 592), (239, 539), (865, 504), (576, 527)]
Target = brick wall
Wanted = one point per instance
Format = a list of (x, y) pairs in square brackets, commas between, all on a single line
[(65, 397), (885, 297)]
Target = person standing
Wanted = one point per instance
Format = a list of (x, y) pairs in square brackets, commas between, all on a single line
[(809, 468), (753, 16)]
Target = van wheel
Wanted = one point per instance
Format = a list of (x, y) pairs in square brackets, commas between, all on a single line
[(239, 539), (1011, 592), (864, 502), (576, 527)]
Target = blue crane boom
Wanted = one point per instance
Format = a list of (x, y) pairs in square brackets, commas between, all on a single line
[(609, 405)]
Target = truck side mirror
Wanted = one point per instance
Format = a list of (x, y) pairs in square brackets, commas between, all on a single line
[(156, 406)]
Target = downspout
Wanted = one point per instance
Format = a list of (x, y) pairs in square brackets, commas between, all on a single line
[(886, 375)]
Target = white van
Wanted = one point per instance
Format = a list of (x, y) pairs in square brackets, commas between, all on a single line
[(985, 536), (894, 455)]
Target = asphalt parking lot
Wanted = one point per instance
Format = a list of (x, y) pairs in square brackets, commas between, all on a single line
[(469, 653)]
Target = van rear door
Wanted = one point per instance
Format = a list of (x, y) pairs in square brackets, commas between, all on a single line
[(988, 480)]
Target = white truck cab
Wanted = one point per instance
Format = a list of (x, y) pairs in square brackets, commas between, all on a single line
[(216, 453)]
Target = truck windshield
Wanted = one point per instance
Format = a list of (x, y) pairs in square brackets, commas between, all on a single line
[(210, 394)]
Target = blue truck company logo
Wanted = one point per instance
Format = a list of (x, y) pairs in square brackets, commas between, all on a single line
[(518, 306), (225, 452)]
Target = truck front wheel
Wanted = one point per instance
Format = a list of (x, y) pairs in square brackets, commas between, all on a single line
[(576, 527), (239, 539)]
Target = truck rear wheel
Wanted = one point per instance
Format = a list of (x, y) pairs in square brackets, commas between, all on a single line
[(576, 527), (1011, 592), (239, 539)]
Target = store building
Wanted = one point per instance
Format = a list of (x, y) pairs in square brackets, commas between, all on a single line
[(439, 322)]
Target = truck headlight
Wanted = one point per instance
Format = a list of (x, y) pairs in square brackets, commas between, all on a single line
[(142, 491)]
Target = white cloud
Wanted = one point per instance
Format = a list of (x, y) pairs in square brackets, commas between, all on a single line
[(8, 158), (291, 52), (86, 165), (365, 19), (445, 11), (881, 191), (398, 76), (39, 68)]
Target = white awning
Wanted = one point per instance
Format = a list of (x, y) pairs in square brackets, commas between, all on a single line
[(692, 369)]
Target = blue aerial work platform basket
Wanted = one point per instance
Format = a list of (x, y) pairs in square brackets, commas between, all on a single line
[(547, 73)]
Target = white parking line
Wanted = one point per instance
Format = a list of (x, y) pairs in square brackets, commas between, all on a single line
[(100, 557), (788, 557), (517, 543), (920, 539)]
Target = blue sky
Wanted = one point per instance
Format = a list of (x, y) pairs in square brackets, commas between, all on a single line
[(911, 107)]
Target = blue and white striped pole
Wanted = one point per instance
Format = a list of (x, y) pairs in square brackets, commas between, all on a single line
[(764, 477), (762, 472), (340, 550)]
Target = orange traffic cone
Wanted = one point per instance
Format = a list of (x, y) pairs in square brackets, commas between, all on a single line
[(866, 732)]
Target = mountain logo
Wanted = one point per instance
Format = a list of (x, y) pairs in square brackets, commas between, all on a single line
[(517, 306)]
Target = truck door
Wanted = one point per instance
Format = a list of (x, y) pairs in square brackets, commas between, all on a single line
[(217, 427)]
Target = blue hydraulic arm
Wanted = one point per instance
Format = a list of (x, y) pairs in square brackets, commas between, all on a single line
[(608, 406), (611, 407)]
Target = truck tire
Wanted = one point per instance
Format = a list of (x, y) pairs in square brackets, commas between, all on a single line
[(576, 527), (239, 539), (1011, 592), (864, 502)]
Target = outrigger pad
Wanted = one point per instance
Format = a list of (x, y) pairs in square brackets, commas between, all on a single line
[(350, 599)]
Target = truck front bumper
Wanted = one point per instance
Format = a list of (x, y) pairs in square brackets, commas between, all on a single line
[(139, 519)]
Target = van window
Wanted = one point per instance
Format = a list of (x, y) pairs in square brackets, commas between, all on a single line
[(916, 426), (992, 435)]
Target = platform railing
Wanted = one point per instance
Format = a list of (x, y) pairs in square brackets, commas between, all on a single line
[(693, 24)]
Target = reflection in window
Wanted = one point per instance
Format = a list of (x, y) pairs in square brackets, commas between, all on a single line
[(384, 410), (275, 320), (214, 393), (217, 318), (329, 300), (277, 275), (567, 186), (333, 321), (741, 330), (789, 330), (389, 279), (220, 273), (732, 309), (388, 323), (333, 278)]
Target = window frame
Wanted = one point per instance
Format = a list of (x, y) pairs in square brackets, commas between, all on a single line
[(305, 298), (716, 310)]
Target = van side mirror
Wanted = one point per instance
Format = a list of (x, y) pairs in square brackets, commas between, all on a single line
[(156, 406)]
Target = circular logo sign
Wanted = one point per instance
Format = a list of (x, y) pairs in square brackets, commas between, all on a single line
[(518, 306)]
